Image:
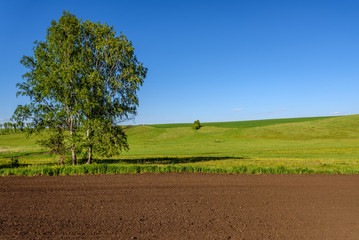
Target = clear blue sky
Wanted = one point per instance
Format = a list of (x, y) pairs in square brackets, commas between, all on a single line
[(212, 60)]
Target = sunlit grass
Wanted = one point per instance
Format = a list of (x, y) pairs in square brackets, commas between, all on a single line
[(302, 145)]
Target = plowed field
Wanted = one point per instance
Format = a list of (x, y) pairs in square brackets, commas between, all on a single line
[(180, 206)]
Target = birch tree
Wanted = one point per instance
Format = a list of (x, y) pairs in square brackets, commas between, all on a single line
[(82, 79)]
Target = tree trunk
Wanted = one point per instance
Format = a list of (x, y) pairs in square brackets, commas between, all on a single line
[(61, 160), (73, 154), (73, 151), (89, 159)]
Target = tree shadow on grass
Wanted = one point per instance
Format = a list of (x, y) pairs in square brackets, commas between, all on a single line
[(148, 160), (164, 160), (8, 165), (23, 154)]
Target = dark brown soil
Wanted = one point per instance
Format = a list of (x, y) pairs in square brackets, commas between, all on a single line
[(180, 206)]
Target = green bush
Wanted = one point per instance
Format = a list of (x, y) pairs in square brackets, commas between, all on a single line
[(14, 162), (196, 125)]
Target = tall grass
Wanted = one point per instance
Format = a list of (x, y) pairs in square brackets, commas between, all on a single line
[(134, 169)]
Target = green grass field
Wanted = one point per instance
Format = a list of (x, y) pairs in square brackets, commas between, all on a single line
[(297, 145)]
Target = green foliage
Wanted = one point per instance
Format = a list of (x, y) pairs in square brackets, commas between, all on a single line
[(82, 79), (55, 141), (11, 128), (14, 162), (196, 125)]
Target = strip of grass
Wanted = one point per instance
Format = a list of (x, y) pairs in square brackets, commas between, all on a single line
[(134, 169)]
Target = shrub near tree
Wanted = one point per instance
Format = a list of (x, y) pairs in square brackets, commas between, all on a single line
[(82, 79)]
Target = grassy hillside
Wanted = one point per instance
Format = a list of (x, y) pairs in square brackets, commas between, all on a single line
[(242, 124), (321, 144), (264, 138)]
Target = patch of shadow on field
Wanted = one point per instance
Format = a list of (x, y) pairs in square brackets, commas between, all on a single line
[(166, 160), (23, 154), (8, 165)]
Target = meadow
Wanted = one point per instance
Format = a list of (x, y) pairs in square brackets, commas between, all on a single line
[(328, 145)]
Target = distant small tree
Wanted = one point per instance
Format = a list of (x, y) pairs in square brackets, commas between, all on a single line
[(196, 125), (0, 128), (5, 127), (9, 125)]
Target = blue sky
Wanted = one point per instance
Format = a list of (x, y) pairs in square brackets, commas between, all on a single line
[(212, 60)]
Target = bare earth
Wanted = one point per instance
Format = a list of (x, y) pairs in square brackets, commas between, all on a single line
[(180, 206)]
